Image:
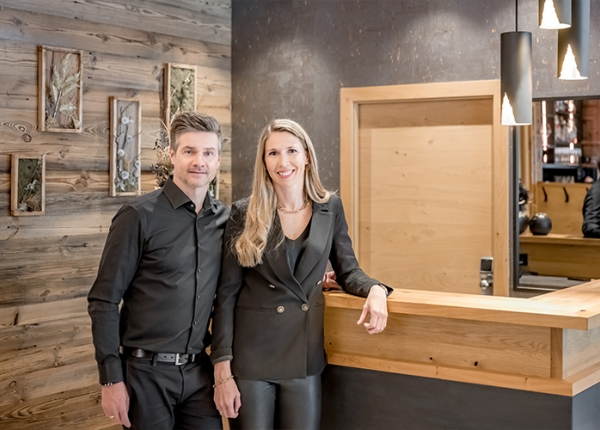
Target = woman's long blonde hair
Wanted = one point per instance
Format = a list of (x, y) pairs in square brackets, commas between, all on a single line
[(251, 244)]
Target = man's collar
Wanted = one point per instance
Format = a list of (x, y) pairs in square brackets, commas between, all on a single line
[(178, 198)]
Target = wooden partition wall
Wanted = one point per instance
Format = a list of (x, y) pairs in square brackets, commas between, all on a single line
[(424, 180)]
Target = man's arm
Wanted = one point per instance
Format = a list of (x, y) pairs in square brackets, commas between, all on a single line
[(118, 265)]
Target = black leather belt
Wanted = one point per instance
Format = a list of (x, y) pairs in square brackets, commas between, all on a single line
[(161, 357)]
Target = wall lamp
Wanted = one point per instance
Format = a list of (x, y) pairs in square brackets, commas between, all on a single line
[(515, 75), (555, 14), (574, 44)]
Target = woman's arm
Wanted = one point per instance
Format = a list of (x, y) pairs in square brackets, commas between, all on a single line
[(351, 277), (227, 396)]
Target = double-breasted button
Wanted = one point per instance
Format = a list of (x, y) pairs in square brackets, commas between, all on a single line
[(305, 307), (280, 309), (271, 286)]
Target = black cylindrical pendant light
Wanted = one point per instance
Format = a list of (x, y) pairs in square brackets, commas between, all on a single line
[(574, 44), (515, 77), (555, 14)]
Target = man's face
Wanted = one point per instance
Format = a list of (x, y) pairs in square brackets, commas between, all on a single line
[(196, 161)]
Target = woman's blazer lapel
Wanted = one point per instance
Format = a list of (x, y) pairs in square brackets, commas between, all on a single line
[(318, 237)]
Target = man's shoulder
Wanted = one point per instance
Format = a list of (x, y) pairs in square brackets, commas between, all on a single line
[(145, 200)]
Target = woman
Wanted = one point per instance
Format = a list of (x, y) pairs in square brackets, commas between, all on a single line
[(268, 317)]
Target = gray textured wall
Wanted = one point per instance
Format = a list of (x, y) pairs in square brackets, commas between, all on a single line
[(290, 59)]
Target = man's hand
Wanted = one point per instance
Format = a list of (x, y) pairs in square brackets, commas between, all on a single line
[(115, 403), (376, 307), (227, 396), (329, 282)]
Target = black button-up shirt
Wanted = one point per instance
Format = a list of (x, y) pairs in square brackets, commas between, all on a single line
[(163, 261)]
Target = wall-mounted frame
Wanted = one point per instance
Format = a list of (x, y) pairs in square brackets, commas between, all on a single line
[(179, 90), (125, 147), (60, 90), (28, 184)]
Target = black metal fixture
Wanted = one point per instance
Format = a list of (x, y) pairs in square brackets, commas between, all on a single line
[(574, 44), (555, 14), (515, 75)]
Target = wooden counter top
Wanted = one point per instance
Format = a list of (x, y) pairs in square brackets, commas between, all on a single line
[(549, 344), (573, 308)]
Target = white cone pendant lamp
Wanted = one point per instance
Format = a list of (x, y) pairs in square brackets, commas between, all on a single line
[(555, 14), (574, 44)]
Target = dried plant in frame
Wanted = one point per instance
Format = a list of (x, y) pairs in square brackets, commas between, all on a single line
[(60, 90), (28, 182), (125, 147), (179, 90)]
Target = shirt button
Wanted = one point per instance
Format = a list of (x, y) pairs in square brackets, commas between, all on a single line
[(189, 349), (305, 307), (271, 286), (280, 309), (199, 270), (195, 322), (198, 296), (319, 283)]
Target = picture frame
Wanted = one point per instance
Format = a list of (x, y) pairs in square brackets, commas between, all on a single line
[(60, 90), (179, 90), (125, 147), (28, 184)]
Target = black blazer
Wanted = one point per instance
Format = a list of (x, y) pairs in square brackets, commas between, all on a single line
[(269, 322)]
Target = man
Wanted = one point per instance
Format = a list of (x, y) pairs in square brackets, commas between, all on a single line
[(162, 260), (591, 211)]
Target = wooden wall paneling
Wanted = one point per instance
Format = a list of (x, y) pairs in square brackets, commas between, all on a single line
[(29, 28), (47, 373), (78, 408), (209, 22)]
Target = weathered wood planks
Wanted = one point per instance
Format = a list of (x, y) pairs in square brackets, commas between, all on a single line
[(48, 376)]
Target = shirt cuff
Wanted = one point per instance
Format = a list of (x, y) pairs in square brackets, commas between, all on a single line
[(110, 372), (221, 355)]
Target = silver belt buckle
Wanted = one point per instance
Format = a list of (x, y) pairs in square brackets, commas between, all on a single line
[(179, 358)]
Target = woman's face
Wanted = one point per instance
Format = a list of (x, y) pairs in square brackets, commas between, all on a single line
[(285, 159)]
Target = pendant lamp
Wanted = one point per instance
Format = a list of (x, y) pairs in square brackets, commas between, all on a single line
[(555, 14), (515, 76), (574, 44)]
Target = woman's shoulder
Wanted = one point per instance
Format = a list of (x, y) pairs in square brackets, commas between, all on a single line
[(240, 205)]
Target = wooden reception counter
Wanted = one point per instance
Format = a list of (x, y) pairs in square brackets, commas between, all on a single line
[(546, 348)]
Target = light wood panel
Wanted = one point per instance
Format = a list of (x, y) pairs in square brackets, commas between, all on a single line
[(422, 116), (488, 347), (425, 206)]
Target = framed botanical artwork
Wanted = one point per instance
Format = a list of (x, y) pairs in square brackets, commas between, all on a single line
[(60, 90), (28, 185), (179, 90), (125, 147)]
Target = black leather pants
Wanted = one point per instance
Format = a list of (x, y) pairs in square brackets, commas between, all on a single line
[(283, 404)]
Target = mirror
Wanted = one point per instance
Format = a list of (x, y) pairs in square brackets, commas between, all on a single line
[(559, 156)]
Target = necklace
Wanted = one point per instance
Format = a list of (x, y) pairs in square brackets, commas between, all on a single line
[(285, 211)]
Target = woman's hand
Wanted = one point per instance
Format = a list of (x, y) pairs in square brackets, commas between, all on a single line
[(227, 396), (376, 307)]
